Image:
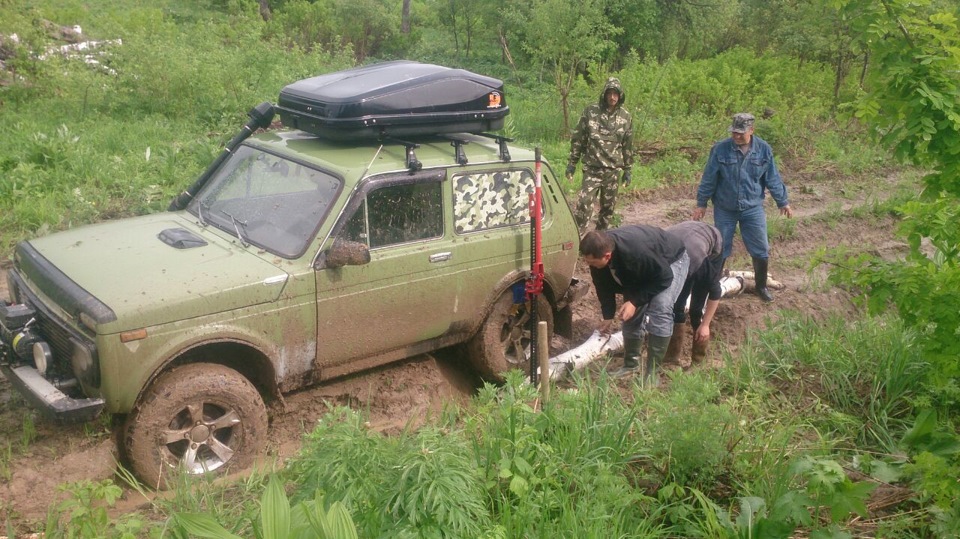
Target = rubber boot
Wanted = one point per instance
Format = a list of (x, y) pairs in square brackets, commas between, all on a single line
[(656, 349), (699, 352), (676, 346), (760, 278), (631, 358)]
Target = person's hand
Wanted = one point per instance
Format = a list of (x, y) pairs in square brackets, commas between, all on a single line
[(571, 168), (698, 213), (626, 311), (702, 335), (605, 326), (786, 210), (625, 179)]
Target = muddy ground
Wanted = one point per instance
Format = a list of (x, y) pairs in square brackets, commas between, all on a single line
[(36, 456)]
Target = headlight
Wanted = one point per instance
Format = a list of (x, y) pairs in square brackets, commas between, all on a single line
[(88, 322), (42, 356)]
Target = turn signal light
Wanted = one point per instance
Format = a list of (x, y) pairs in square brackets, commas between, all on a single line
[(135, 335)]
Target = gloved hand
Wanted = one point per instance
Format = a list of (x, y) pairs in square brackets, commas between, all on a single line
[(571, 168), (625, 179)]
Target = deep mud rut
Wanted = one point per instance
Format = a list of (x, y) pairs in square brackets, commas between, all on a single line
[(37, 456)]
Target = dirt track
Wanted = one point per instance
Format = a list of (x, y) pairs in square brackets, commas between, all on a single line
[(408, 392)]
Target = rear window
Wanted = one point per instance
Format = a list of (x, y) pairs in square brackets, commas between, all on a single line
[(491, 199)]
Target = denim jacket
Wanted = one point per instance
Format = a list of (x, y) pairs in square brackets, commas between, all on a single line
[(736, 187)]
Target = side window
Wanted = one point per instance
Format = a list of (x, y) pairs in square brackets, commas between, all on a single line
[(491, 199), (398, 214)]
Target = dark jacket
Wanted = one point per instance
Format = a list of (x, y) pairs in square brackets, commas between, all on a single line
[(642, 256)]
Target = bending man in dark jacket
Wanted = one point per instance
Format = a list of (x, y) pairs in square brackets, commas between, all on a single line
[(705, 249), (648, 267)]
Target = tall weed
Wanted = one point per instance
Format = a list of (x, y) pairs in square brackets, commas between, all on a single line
[(870, 370), (692, 433)]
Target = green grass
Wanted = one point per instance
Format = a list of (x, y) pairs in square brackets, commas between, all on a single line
[(768, 435)]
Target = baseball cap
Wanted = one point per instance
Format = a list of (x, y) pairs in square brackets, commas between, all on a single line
[(741, 122)]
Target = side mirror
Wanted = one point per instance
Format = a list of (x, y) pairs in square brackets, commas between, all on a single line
[(346, 253)]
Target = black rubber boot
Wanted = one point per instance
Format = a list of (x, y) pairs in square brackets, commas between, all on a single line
[(760, 278), (631, 358), (656, 349)]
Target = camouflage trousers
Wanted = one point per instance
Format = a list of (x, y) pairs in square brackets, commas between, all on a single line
[(602, 183)]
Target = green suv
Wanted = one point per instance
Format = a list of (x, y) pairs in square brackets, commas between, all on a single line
[(299, 260)]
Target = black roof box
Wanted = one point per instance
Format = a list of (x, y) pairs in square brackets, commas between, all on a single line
[(394, 99)]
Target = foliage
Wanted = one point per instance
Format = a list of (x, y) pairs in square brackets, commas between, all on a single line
[(364, 28), (692, 433), (414, 485), (913, 103), (869, 372), (84, 514), (308, 519), (578, 36)]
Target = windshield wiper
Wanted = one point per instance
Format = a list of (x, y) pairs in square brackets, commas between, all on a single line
[(236, 226), (200, 207)]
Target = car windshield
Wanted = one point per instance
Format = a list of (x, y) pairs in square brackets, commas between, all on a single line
[(267, 201)]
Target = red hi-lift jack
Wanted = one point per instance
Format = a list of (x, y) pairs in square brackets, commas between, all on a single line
[(534, 284)]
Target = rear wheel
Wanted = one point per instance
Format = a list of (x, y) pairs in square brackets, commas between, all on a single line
[(503, 342), (201, 418)]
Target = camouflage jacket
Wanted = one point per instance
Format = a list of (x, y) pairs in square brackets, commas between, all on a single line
[(604, 139)]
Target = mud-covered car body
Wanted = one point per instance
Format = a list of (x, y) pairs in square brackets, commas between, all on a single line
[(299, 255), (252, 275), (128, 303)]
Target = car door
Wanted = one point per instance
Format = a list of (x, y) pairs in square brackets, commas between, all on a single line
[(399, 298), (491, 221)]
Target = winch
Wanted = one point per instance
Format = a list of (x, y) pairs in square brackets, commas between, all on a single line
[(17, 328)]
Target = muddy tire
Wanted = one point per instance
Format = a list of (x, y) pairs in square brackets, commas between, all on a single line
[(503, 342), (203, 418)]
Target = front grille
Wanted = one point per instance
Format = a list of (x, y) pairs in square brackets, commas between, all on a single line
[(64, 340), (57, 336)]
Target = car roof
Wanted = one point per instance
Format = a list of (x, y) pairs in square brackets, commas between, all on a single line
[(357, 159)]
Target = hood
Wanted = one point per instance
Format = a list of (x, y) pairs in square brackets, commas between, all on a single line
[(144, 281), (613, 83)]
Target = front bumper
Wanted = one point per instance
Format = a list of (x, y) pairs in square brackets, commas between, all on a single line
[(52, 402)]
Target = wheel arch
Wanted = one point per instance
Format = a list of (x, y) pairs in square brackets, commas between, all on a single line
[(251, 362), (502, 286)]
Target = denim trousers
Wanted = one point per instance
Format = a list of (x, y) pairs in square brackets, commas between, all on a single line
[(753, 230), (656, 317)]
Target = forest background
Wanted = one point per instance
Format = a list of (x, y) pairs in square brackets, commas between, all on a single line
[(857, 86)]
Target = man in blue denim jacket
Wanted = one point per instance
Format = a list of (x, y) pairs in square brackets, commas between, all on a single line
[(738, 171)]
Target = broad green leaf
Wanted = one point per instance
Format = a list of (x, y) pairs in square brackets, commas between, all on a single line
[(849, 498), (202, 525), (793, 507), (341, 523), (832, 532), (885, 472), (275, 511), (519, 486), (749, 507)]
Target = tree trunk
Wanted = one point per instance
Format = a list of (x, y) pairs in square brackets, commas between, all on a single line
[(265, 10), (506, 56), (405, 18), (566, 113), (866, 63)]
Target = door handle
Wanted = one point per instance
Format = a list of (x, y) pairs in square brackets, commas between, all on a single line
[(441, 257)]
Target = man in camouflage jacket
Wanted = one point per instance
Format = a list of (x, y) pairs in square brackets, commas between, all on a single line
[(603, 141)]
